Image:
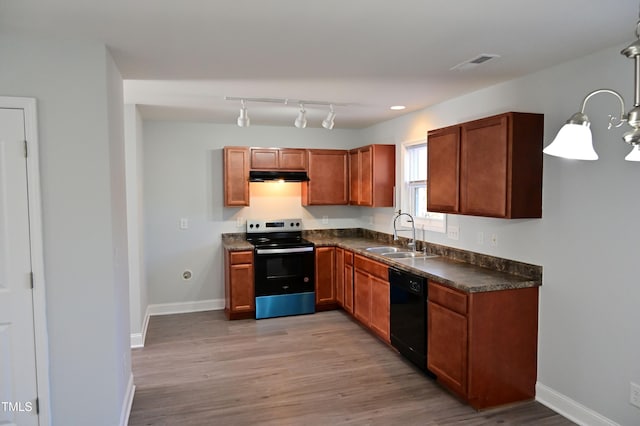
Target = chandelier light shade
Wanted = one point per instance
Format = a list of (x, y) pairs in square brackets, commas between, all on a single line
[(574, 140), (301, 120), (243, 118), (327, 123)]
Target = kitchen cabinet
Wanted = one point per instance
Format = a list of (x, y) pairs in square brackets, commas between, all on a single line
[(236, 176), (483, 346), (278, 159), (348, 281), (325, 278), (340, 277), (328, 171), (371, 294), (488, 167), (238, 283), (372, 176)]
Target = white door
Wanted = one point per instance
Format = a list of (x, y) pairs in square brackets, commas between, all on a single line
[(18, 390)]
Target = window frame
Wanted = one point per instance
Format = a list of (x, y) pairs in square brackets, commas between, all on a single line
[(435, 222)]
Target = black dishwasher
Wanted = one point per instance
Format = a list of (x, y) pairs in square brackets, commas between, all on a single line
[(408, 316)]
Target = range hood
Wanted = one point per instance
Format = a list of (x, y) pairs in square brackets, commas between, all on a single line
[(271, 176)]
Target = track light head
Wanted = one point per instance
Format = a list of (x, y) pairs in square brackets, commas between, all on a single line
[(243, 118), (327, 123), (301, 119)]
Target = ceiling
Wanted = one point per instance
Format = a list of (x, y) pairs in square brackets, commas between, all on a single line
[(180, 58)]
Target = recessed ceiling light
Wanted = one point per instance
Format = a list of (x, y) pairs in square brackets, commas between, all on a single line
[(397, 107)]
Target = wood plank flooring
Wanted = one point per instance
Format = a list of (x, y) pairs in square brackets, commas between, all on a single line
[(321, 369)]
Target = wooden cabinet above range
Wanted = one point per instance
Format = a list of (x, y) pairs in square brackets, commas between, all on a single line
[(278, 159), (488, 167)]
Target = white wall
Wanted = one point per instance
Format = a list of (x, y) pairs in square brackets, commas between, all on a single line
[(587, 240), (183, 178), (78, 90)]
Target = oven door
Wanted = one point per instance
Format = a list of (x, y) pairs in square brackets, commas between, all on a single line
[(284, 281)]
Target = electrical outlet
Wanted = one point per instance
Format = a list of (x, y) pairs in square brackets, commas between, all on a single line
[(480, 238), (325, 220), (634, 397), (184, 223), (239, 222), (453, 232), (494, 240)]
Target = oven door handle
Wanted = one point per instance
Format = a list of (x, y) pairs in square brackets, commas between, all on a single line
[(284, 250)]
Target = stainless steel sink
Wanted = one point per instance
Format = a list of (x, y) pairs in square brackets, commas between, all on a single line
[(383, 249), (407, 254)]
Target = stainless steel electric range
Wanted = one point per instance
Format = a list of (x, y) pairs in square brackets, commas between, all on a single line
[(284, 268)]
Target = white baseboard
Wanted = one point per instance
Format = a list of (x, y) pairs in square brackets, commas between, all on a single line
[(186, 307), (137, 339), (569, 408), (128, 402)]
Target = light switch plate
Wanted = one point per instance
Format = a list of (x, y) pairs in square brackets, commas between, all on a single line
[(453, 232)]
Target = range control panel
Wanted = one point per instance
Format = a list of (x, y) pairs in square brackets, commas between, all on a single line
[(277, 225)]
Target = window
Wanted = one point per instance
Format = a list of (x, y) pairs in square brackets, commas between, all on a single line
[(414, 187)]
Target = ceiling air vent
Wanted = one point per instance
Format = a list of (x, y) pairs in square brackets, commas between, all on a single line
[(472, 63)]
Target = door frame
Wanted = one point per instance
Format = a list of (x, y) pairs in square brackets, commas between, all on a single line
[(28, 105)]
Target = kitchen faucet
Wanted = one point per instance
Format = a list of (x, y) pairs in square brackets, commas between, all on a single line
[(412, 243)]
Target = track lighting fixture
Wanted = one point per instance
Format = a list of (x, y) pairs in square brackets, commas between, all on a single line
[(243, 119), (301, 119), (327, 123)]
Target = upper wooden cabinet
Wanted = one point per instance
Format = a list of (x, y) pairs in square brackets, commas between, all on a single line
[(278, 159), (372, 175), (236, 176), (488, 167), (328, 171)]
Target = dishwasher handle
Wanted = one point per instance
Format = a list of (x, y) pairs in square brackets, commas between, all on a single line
[(407, 282)]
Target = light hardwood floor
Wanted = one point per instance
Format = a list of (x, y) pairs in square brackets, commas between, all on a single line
[(321, 369)]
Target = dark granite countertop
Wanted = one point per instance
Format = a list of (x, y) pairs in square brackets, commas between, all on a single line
[(490, 275)]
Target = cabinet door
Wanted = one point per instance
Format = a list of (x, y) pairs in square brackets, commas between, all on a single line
[(329, 178), (354, 177), (362, 296), (443, 153), (292, 159), (447, 347), (241, 283), (340, 276), (365, 197), (325, 269), (236, 176), (483, 161), (380, 306), (264, 158), (348, 288)]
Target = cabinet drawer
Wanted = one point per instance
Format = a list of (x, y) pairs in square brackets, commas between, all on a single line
[(448, 297), (240, 257), (348, 257), (373, 268)]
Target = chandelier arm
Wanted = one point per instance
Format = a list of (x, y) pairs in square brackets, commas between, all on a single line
[(616, 121)]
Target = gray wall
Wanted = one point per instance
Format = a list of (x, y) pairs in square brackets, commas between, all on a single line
[(78, 90), (183, 178), (587, 240)]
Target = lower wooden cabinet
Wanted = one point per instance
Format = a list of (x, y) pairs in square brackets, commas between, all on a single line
[(340, 276), (348, 281), (483, 346), (325, 278), (371, 295), (239, 298)]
